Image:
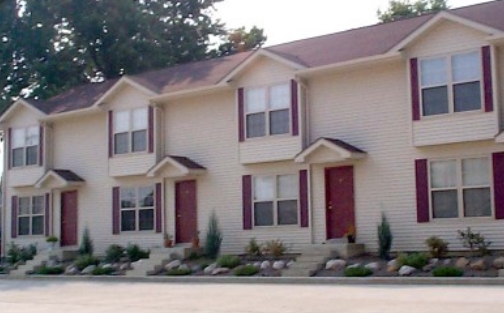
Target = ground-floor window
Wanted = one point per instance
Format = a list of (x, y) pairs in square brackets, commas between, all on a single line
[(461, 188), (275, 200), (137, 208), (31, 216)]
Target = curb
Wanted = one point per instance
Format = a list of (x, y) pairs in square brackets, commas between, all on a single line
[(340, 281)]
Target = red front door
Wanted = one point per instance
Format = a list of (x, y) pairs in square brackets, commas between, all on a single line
[(69, 218), (186, 225), (340, 207)]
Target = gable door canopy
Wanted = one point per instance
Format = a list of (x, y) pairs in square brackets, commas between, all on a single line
[(173, 166), (329, 150), (58, 178)]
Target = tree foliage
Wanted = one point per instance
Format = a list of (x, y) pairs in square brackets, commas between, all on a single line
[(405, 8), (48, 46)]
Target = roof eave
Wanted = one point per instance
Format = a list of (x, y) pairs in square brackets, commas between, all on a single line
[(189, 92), (124, 80), (13, 107)]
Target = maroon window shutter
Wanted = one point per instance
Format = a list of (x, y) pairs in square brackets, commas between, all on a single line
[(241, 115), (303, 198), (247, 201), (151, 130), (422, 191), (14, 216), (295, 108), (47, 216), (159, 208), (487, 78), (415, 89), (41, 146), (9, 148), (115, 211), (498, 176), (110, 134)]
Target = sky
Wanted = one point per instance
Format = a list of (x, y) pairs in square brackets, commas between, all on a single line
[(289, 20)]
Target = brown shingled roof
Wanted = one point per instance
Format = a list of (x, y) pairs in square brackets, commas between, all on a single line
[(313, 52)]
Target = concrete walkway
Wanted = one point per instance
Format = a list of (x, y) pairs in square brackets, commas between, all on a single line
[(101, 296)]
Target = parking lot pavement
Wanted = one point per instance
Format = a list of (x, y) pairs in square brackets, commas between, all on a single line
[(21, 296)]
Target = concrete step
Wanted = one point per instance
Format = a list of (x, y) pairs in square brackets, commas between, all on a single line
[(158, 259), (39, 259)]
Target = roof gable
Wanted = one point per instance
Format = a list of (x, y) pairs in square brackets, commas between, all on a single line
[(26, 103)]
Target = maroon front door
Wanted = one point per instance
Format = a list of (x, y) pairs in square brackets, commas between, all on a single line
[(69, 218), (340, 207), (185, 211)]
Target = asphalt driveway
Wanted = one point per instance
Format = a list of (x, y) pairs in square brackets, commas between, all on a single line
[(21, 296)]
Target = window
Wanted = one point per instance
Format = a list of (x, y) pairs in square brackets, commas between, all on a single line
[(451, 84), (276, 200), (460, 188), (137, 208), (267, 111), (31, 216), (130, 131), (25, 146)]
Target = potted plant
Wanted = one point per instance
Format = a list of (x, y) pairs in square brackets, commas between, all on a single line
[(52, 240), (350, 234), (168, 241)]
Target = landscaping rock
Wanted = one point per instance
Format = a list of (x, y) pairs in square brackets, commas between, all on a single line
[(88, 270), (210, 268), (173, 265), (183, 267), (406, 270), (220, 270), (107, 266), (447, 262), (265, 265), (354, 265), (501, 273), (257, 265), (478, 265), (291, 263), (462, 263), (433, 261), (335, 264), (124, 267), (196, 268), (392, 266), (499, 263), (71, 270), (428, 267), (279, 265), (374, 266)]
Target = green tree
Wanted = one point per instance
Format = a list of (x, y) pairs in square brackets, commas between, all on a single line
[(240, 40), (405, 8), (47, 46)]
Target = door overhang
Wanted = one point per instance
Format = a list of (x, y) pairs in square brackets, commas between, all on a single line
[(329, 150), (59, 179), (173, 166)]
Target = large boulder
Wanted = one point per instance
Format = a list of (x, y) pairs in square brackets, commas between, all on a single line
[(374, 266), (220, 270), (173, 265), (462, 263), (71, 270), (406, 270), (392, 266), (265, 265), (499, 263), (279, 265), (335, 264), (478, 265), (88, 270), (291, 263), (210, 268)]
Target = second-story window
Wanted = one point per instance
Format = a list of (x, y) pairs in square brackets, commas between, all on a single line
[(25, 146), (451, 84), (130, 131), (267, 110)]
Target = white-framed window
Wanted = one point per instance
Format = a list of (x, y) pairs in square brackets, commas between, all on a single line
[(31, 216), (451, 84), (25, 146), (267, 110), (275, 200), (137, 208), (130, 131), (461, 188)]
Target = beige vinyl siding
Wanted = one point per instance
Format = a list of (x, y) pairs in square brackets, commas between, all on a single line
[(454, 128), (216, 148), (270, 148)]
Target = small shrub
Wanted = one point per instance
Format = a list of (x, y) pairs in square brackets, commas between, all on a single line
[(86, 247), (2, 269), (384, 238), (438, 248), (246, 270), (52, 239), (55, 270), (20, 254), (213, 238), (253, 248), (84, 261), (99, 271), (474, 241), (114, 253), (416, 260), (447, 271), (229, 261), (275, 248), (179, 272), (359, 271), (135, 253)]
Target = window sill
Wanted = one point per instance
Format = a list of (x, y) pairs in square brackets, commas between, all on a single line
[(268, 138), (279, 227), (20, 168), (462, 219), (451, 115), (139, 232), (130, 154), (30, 237)]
